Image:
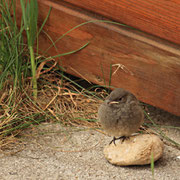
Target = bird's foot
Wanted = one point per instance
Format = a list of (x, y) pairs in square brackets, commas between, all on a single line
[(123, 138), (114, 139)]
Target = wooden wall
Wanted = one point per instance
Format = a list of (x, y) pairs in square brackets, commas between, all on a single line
[(148, 66)]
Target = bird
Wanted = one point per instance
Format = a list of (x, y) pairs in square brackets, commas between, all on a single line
[(120, 114)]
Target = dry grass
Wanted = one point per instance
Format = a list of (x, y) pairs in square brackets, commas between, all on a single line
[(58, 101)]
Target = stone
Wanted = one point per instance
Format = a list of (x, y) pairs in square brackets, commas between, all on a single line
[(136, 150)]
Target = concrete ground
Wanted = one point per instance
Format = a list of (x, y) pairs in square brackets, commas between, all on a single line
[(52, 152)]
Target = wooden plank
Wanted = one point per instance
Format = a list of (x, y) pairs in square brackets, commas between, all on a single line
[(157, 17), (150, 67)]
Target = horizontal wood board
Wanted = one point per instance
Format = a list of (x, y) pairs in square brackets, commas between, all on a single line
[(157, 17)]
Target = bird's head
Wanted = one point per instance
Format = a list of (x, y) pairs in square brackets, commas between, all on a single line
[(119, 96)]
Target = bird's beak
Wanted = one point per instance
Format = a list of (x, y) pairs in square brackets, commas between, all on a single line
[(112, 102)]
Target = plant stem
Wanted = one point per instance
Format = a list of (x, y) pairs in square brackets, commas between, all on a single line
[(33, 68)]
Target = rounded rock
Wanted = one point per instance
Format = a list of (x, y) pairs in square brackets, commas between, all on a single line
[(136, 150)]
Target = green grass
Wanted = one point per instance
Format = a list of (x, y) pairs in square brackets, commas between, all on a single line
[(18, 62), (30, 17), (152, 165), (158, 130), (12, 49)]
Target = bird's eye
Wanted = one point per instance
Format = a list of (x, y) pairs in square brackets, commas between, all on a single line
[(120, 99)]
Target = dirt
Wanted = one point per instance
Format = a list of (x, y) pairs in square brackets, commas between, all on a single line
[(51, 151)]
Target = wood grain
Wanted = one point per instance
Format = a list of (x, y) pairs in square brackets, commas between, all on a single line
[(157, 17), (149, 67)]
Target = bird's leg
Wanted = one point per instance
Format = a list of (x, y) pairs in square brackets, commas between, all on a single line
[(113, 140), (122, 137)]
